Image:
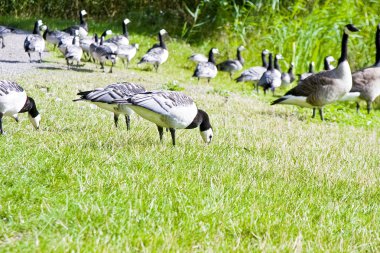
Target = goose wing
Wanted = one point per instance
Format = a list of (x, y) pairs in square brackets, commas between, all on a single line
[(362, 79), (205, 69), (7, 86), (251, 74), (229, 65)]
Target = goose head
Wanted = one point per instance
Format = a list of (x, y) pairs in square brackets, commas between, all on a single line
[(126, 21), (163, 32), (83, 13), (279, 57), (241, 48), (106, 32), (265, 52), (207, 135), (350, 28), (214, 50), (329, 59), (33, 114)]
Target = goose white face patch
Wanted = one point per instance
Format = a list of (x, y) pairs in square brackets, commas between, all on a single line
[(83, 12), (163, 31), (207, 135), (126, 21), (35, 121), (108, 32)]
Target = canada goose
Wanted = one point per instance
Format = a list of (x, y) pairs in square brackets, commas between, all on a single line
[(34, 42), (103, 97), (231, 66), (127, 53), (207, 69), (169, 109), (325, 87), (158, 54), (366, 82), (327, 63), (123, 38), (54, 37), (311, 71), (13, 100), (254, 73), (82, 27), (74, 52), (197, 58), (288, 77), (271, 79)]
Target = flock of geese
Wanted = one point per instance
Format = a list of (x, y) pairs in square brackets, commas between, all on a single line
[(175, 110)]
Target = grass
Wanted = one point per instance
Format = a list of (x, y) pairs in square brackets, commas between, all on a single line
[(272, 179)]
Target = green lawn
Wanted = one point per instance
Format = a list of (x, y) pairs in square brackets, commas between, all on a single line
[(272, 180)]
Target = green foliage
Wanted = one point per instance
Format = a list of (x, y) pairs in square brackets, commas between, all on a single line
[(173, 86)]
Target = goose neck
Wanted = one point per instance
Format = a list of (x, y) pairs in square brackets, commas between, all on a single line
[(343, 56), (162, 42), (377, 43), (125, 31), (239, 57), (264, 60)]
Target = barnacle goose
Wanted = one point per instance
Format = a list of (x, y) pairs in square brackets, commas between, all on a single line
[(123, 38), (74, 52), (34, 42), (82, 27), (207, 69), (271, 79), (288, 77), (104, 53), (13, 100), (158, 54), (4, 30), (103, 97), (169, 109), (325, 87), (311, 71), (231, 66), (54, 37), (327, 63), (127, 52)]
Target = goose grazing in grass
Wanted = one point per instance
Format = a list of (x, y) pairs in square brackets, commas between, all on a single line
[(325, 87), (74, 52), (126, 53), (207, 69), (169, 109), (103, 97), (82, 27), (231, 66), (311, 71), (288, 77), (271, 79), (34, 42), (366, 82), (123, 38), (197, 58), (327, 63), (13, 100), (158, 54)]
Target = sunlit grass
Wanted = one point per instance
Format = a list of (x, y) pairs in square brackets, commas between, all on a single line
[(272, 179)]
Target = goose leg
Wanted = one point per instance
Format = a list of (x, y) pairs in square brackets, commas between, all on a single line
[(1, 124), (313, 113), (115, 118), (321, 113), (369, 107), (30, 58), (128, 121), (357, 107), (231, 75), (160, 132), (111, 68), (172, 133), (40, 57), (68, 65)]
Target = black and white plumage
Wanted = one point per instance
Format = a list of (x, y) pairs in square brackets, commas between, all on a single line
[(5, 30), (254, 74), (271, 79), (104, 53), (327, 63), (34, 42), (13, 100), (74, 52), (54, 37), (311, 71), (103, 97), (325, 87), (169, 109), (366, 82), (82, 28), (158, 54), (197, 58), (288, 77), (207, 69), (122, 39), (231, 66), (126, 53)]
